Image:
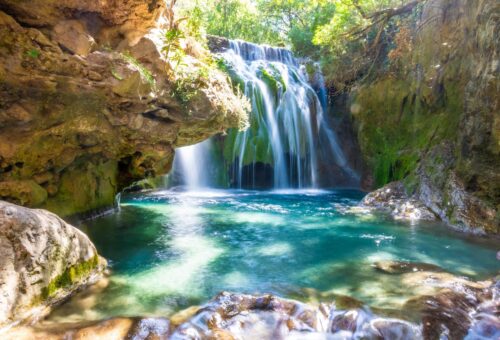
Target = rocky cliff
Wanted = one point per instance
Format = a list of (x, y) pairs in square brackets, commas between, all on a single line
[(88, 105), (430, 116)]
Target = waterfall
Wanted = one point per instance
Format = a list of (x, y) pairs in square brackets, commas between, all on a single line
[(287, 128), (192, 166)]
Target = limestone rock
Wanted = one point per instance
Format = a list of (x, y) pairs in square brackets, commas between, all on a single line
[(80, 121), (432, 119), (73, 36), (42, 261), (237, 316), (112, 329), (393, 198), (107, 19), (402, 267)]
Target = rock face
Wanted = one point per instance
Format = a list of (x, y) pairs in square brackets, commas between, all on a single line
[(88, 105), (393, 199), (431, 117), (42, 261)]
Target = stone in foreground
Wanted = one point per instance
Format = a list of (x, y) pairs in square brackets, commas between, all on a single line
[(42, 261)]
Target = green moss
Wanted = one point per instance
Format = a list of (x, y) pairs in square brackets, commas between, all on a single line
[(115, 74), (184, 90), (143, 71), (23, 192), (85, 187), (397, 127), (70, 276), (33, 53), (273, 79)]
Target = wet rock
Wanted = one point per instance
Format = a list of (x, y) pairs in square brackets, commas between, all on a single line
[(43, 260), (442, 280), (393, 199), (314, 296), (459, 310), (183, 315), (150, 328), (485, 320), (450, 314), (217, 44), (248, 316), (402, 267), (236, 316), (112, 329), (361, 323)]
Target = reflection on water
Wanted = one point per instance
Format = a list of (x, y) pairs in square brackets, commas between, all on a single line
[(170, 250)]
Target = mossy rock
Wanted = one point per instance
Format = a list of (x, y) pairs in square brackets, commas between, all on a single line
[(70, 277)]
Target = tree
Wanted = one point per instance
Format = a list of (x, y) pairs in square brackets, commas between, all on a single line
[(358, 35)]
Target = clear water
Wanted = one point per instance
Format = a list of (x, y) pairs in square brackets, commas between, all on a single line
[(170, 250)]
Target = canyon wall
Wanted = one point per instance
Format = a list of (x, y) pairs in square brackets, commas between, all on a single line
[(430, 116)]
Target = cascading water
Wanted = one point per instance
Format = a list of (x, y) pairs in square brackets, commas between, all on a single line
[(192, 165), (288, 130)]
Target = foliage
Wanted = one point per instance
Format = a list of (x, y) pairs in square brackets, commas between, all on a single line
[(297, 21), (346, 35), (146, 75), (172, 48), (188, 82), (361, 33), (33, 53)]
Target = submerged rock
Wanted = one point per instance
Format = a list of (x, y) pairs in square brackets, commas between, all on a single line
[(393, 198), (401, 267), (43, 260)]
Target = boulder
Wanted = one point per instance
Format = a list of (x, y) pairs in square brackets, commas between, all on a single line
[(402, 267), (73, 36), (393, 198), (43, 260)]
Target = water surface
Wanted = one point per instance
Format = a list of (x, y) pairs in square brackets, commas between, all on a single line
[(170, 250)]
